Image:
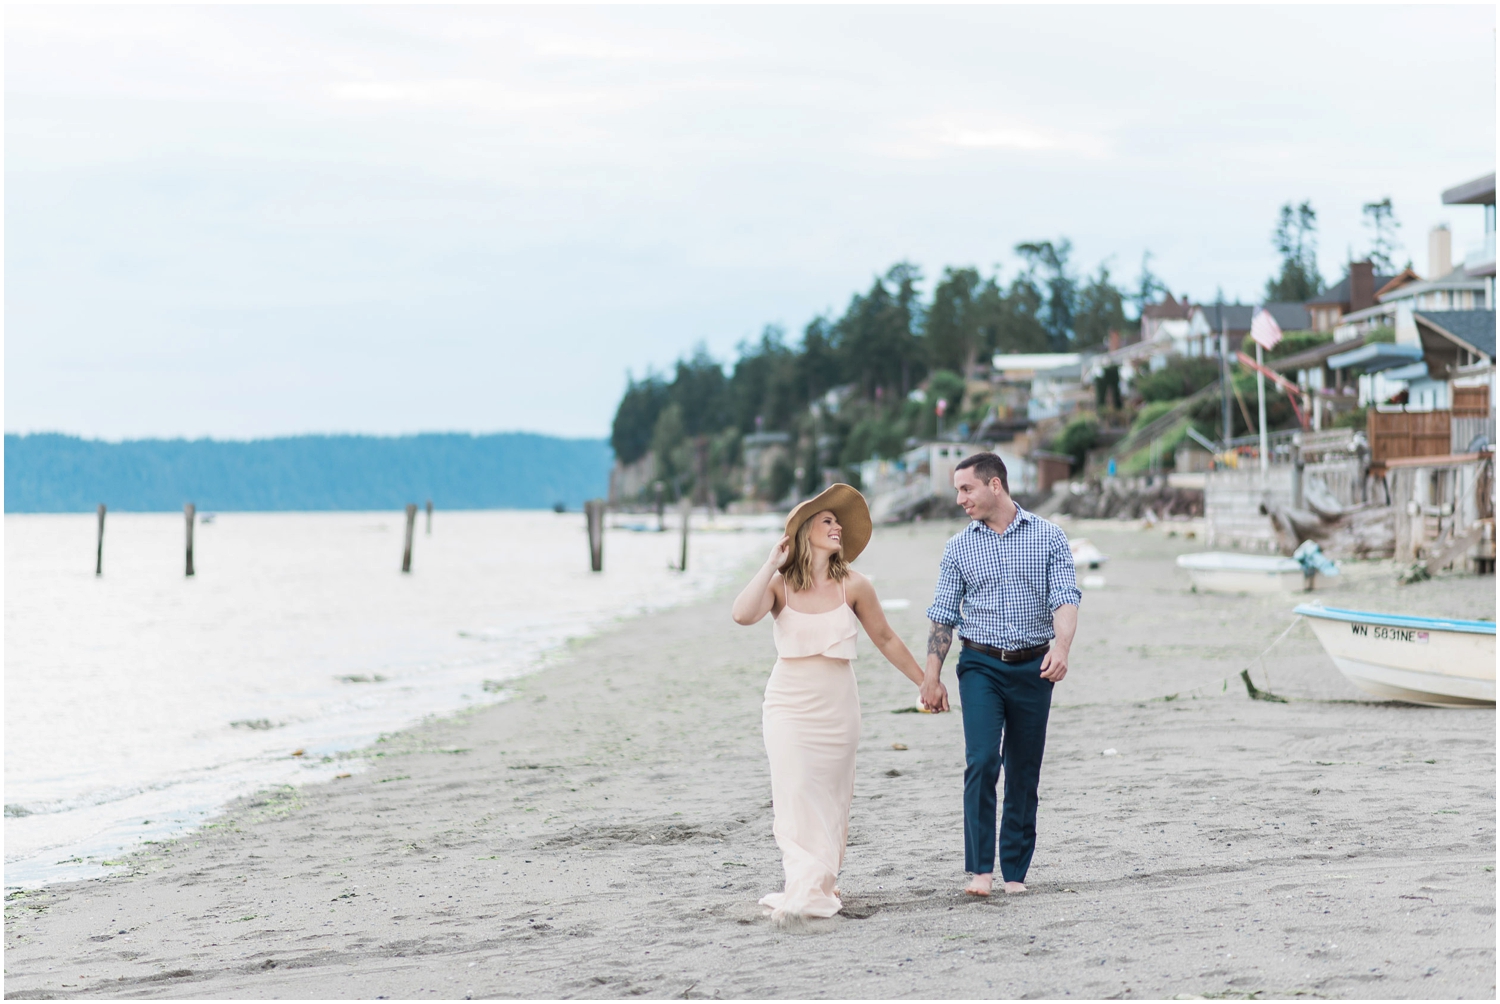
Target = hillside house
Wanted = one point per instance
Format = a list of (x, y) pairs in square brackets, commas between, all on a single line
[(1479, 263), (1356, 292)]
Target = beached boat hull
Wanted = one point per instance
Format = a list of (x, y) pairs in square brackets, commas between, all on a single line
[(1222, 572), (1444, 664)]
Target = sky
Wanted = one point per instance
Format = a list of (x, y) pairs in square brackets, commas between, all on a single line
[(253, 221)]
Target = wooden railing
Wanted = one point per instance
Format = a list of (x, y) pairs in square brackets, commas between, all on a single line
[(1471, 402), (1394, 434)]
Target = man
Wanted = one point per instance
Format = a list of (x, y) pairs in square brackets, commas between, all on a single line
[(1007, 582)]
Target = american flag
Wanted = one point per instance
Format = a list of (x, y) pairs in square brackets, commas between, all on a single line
[(1264, 329)]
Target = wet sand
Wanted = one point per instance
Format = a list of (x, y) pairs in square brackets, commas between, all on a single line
[(606, 832)]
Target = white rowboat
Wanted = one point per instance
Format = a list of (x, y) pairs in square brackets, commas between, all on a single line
[(1424, 660), (1226, 572)]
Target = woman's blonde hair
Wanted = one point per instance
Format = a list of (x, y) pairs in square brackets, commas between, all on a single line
[(797, 571)]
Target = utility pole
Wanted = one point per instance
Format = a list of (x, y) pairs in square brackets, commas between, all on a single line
[(1260, 388), (1224, 389)]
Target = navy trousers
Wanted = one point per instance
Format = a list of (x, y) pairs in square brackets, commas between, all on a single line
[(1005, 708)]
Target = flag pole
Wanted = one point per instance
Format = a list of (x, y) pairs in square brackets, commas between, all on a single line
[(1260, 392)]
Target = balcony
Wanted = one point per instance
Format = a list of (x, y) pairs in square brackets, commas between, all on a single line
[(1481, 260)]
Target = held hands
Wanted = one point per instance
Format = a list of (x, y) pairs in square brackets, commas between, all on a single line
[(934, 695), (1055, 663)]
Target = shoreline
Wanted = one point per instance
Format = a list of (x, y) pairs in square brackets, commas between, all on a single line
[(606, 832), (297, 634)]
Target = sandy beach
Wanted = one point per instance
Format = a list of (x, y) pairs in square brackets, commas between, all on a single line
[(607, 831)]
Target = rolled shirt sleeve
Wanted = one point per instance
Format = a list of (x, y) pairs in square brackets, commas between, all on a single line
[(948, 595), (1062, 576)]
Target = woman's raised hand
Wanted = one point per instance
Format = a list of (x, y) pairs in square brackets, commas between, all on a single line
[(778, 554)]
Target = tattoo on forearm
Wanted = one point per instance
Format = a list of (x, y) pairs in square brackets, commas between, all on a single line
[(939, 640)]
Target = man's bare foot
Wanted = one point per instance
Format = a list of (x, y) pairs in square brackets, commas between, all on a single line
[(979, 885), (1012, 888)]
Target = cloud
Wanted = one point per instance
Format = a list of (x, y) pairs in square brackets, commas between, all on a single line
[(943, 136)]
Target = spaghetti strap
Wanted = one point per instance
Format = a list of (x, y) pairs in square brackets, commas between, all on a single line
[(844, 592)]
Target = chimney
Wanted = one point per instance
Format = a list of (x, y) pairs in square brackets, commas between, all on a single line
[(1361, 285), (1439, 252)]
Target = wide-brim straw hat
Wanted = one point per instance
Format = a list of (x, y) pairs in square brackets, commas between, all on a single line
[(848, 506)]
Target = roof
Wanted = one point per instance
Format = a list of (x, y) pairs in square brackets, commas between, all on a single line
[(1479, 192), (1473, 329), (1167, 309), (1340, 293), (1376, 356), (1411, 371), (1007, 362), (1315, 356), (1456, 279), (1236, 316), (1408, 274)]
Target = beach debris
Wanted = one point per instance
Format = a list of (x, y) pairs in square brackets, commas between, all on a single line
[(298, 752), (256, 724), (898, 746), (1256, 694), (1310, 556), (1093, 582), (1085, 554), (1414, 574), (492, 686), (361, 678), (893, 773), (339, 776), (1111, 752)]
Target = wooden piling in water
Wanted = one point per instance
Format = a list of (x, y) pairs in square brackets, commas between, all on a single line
[(594, 511), (429, 517), (190, 514), (687, 514), (411, 525), (99, 549)]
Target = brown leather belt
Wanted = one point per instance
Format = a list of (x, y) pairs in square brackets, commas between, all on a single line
[(1009, 655)]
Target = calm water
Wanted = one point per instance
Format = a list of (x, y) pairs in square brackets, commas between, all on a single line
[(138, 702)]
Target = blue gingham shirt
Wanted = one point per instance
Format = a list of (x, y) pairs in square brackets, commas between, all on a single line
[(1001, 588)]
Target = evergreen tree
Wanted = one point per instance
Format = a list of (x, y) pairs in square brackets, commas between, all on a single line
[(1296, 240), (635, 418), (1101, 306), (953, 335), (1380, 217), (1060, 286)]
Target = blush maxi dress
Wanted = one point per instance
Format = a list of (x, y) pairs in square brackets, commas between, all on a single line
[(811, 723)]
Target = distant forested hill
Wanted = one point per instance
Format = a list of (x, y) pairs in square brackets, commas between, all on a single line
[(512, 470)]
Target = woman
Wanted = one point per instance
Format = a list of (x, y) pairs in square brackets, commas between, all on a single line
[(811, 713)]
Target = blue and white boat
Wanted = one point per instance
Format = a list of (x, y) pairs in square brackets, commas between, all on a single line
[(1435, 661)]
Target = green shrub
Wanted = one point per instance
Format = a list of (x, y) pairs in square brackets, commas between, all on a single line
[(1077, 438), (1291, 343), (949, 386), (1151, 412), (1179, 378)]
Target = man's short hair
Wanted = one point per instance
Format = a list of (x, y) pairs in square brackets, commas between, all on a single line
[(987, 467)]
